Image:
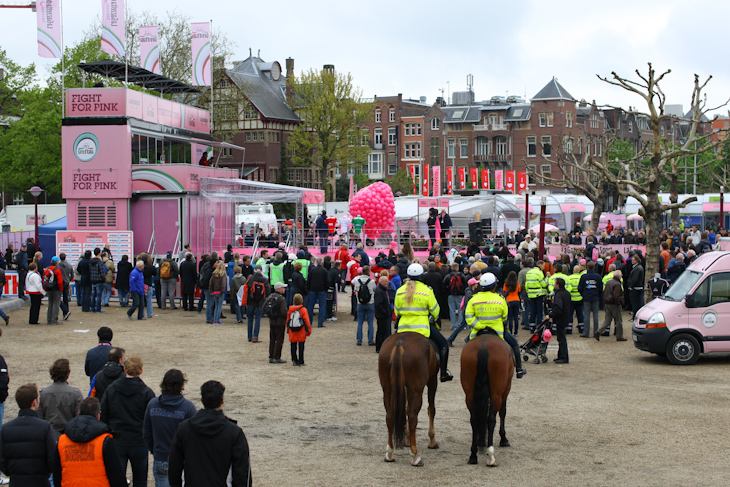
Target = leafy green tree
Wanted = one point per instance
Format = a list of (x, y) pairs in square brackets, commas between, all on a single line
[(400, 182), (15, 81), (331, 110)]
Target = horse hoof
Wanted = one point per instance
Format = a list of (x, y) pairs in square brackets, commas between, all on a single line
[(472, 460), (434, 447), (504, 443), (417, 462), (389, 460), (492, 465)]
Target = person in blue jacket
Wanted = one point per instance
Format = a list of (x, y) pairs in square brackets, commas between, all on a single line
[(136, 289)]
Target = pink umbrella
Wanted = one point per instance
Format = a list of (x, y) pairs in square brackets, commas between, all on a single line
[(635, 217)]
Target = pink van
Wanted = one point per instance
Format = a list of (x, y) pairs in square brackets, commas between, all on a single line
[(693, 317)]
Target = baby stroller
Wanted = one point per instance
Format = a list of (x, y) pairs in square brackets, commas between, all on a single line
[(537, 344)]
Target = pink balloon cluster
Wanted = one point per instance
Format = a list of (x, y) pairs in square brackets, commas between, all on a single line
[(376, 205)]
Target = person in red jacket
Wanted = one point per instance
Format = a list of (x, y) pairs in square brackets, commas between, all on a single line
[(54, 295), (343, 257), (298, 337)]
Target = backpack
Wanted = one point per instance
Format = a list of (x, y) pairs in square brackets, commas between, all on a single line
[(257, 291), (165, 270), (363, 294), (49, 280), (271, 306), (296, 322), (456, 285), (594, 256)]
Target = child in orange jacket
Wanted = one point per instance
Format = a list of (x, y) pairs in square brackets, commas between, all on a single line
[(298, 337)]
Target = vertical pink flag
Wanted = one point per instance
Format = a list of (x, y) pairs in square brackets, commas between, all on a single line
[(436, 180), (498, 174), (201, 54), (112, 27), (449, 180), (149, 51), (50, 31)]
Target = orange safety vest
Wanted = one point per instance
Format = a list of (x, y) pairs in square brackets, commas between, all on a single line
[(82, 464)]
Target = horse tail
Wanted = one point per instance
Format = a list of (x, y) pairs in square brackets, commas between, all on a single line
[(398, 395), (482, 394)]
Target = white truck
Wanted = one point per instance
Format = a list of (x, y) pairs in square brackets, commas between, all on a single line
[(21, 218)]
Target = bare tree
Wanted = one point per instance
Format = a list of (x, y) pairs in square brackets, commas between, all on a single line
[(642, 175)]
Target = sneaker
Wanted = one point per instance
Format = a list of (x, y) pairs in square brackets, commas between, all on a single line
[(278, 361), (129, 316), (7, 320), (65, 317), (217, 322), (101, 311)]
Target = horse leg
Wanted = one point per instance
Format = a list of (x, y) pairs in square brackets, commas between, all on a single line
[(491, 422), (407, 439), (432, 384), (415, 400), (389, 447), (474, 435), (502, 431)]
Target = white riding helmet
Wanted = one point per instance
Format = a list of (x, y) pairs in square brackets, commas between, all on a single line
[(487, 280), (415, 270)]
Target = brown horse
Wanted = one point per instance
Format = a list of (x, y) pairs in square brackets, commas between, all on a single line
[(406, 364), (487, 366)]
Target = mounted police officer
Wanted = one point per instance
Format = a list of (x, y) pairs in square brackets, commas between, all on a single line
[(487, 309), (416, 309)]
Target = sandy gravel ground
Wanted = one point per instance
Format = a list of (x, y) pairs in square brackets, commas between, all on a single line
[(613, 416)]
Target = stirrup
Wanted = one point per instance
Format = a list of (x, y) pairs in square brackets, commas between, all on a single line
[(446, 376), (521, 371)]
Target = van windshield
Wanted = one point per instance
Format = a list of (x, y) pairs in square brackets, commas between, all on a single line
[(682, 286)]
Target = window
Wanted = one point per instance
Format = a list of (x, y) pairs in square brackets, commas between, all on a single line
[(493, 119), (435, 123), (545, 169), (299, 175), (412, 150), (255, 136), (482, 146), (248, 136), (290, 175), (391, 115), (391, 136), (546, 148), (392, 163), (375, 163), (457, 127), (463, 148), (250, 113), (378, 136), (377, 114), (501, 145), (531, 168), (543, 119), (631, 126), (618, 123), (568, 119), (661, 130), (531, 146), (569, 145), (261, 136), (451, 148), (715, 289), (550, 120), (18, 199), (412, 129)]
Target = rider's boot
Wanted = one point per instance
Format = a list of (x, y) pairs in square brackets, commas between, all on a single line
[(519, 369), (445, 376)]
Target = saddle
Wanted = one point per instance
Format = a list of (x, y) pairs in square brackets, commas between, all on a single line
[(487, 331)]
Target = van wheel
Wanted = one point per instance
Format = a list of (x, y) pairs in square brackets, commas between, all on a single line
[(683, 349)]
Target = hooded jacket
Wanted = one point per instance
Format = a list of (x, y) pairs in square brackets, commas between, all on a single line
[(26, 449), (403, 268), (83, 429), (206, 447), (161, 420), (104, 378), (123, 407)]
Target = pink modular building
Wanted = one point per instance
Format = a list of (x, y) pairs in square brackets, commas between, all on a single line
[(131, 176)]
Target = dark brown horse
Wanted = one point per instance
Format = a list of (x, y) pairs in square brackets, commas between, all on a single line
[(406, 364), (487, 366)]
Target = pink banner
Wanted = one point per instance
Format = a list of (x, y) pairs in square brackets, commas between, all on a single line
[(449, 180), (112, 27), (498, 175), (485, 179), (425, 191), (50, 31), (509, 183), (149, 51), (437, 180), (201, 54)]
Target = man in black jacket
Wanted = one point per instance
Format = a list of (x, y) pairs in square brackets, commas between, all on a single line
[(21, 263), (113, 370), (122, 409), (96, 357), (402, 265), (635, 285), (318, 281), (27, 443), (76, 447), (383, 312), (561, 315), (434, 280), (188, 276), (455, 284), (209, 445)]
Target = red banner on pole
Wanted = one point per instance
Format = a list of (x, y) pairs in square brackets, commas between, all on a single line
[(509, 181), (498, 182), (521, 181), (437, 180), (425, 180), (462, 178), (449, 180), (485, 178), (474, 178), (412, 169)]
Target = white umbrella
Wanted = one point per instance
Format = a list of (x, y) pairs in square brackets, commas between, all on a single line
[(635, 217), (587, 218), (548, 228)]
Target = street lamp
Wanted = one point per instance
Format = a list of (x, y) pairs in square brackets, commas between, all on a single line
[(541, 249), (36, 192)]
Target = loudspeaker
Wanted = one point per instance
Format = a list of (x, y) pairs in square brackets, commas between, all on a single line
[(486, 226), (475, 233)]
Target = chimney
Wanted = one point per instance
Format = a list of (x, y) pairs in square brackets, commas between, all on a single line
[(289, 68), (329, 68)]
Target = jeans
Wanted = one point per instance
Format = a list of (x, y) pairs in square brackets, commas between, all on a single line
[(96, 294), (106, 294), (150, 291), (577, 308), (167, 289), (236, 310), (513, 317), (535, 312), (138, 304), (590, 307), (123, 297), (86, 298), (253, 315), (454, 305), (343, 276), (209, 305), (319, 298), (365, 311), (462, 326), (137, 457), (201, 300), (217, 302), (159, 471), (64, 297)]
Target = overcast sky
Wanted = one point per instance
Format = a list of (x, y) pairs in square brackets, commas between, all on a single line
[(419, 48)]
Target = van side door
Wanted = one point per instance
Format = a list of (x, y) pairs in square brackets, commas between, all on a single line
[(711, 313)]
